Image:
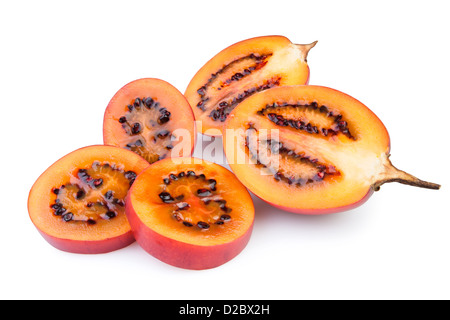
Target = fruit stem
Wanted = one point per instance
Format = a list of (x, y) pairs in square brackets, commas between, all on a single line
[(392, 174), (304, 49)]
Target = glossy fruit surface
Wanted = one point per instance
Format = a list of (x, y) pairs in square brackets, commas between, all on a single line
[(78, 203), (241, 70), (151, 118), (310, 149), (190, 213)]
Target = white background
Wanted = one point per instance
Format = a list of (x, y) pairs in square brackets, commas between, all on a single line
[(61, 62)]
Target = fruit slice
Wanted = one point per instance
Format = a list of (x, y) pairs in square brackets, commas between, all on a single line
[(78, 205), (192, 214), (151, 118), (240, 71), (310, 149)]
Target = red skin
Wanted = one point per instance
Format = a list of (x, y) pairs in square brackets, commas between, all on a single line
[(180, 254), (90, 247), (325, 211)]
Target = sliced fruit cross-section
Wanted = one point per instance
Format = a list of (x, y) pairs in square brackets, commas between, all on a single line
[(78, 203), (192, 214), (151, 118)]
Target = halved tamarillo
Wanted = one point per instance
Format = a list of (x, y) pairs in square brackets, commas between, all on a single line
[(151, 118), (190, 213), (241, 70), (78, 203), (310, 149)]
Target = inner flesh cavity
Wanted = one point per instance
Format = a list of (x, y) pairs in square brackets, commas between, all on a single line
[(148, 127), (193, 200), (92, 194)]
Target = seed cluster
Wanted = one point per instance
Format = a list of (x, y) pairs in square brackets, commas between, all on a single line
[(317, 171), (322, 169), (223, 108), (270, 111), (84, 198), (147, 113), (207, 195)]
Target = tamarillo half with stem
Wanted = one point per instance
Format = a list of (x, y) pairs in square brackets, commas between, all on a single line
[(78, 203), (310, 149), (241, 70)]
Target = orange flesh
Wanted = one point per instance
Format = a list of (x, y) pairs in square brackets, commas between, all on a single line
[(151, 118), (222, 214), (313, 170), (60, 185), (241, 70)]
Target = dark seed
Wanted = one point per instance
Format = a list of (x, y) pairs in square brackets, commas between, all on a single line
[(60, 211), (56, 206), (212, 184), (223, 104), (173, 177), (180, 197), (323, 109), (136, 128), (130, 175), (201, 91), (137, 102), (226, 209), (169, 147), (215, 114), (277, 176), (148, 102), (225, 217), (122, 119), (181, 175), (68, 216), (80, 194), (204, 192), (130, 107), (109, 195), (165, 116), (111, 214), (163, 134), (91, 221), (187, 224), (119, 202), (166, 181), (55, 190), (203, 225), (219, 222), (166, 197), (98, 182), (342, 124), (190, 173)]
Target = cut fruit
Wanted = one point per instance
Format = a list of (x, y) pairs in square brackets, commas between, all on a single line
[(310, 149), (78, 203), (191, 214), (241, 70), (151, 118)]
